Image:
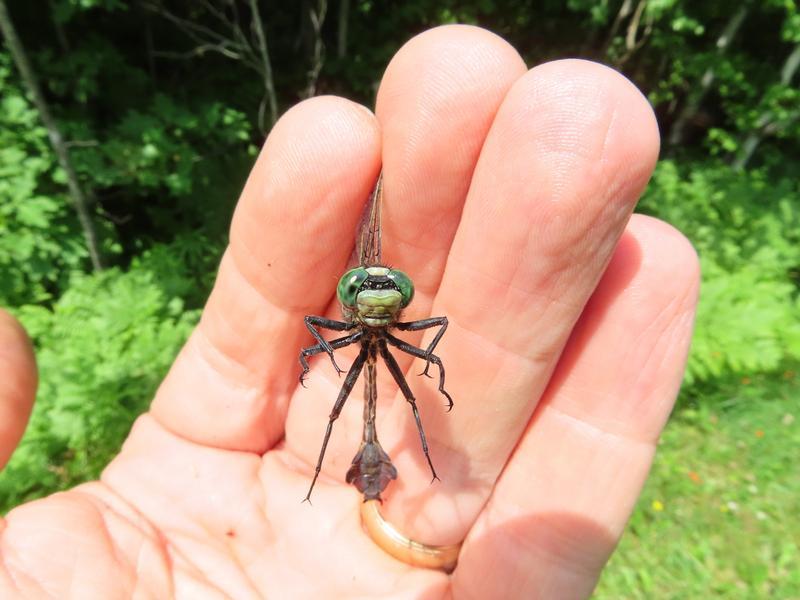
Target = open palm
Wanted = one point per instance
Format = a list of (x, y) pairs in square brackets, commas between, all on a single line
[(507, 200)]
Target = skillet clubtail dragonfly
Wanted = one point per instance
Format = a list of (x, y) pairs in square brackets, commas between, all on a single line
[(372, 296)]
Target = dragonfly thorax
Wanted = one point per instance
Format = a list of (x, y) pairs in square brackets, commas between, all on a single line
[(374, 295)]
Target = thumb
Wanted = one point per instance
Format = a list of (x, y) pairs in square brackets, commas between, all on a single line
[(18, 380)]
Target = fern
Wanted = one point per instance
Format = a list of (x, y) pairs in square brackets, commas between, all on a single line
[(102, 349), (746, 229)]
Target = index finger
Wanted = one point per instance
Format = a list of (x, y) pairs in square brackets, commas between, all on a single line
[(290, 239)]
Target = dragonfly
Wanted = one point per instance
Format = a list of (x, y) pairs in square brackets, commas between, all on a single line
[(373, 296)]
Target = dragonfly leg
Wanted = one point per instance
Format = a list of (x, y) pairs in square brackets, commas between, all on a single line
[(312, 350), (311, 321), (347, 387), (440, 322), (420, 353), (394, 369)]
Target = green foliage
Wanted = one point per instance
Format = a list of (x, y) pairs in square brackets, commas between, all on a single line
[(162, 132), (102, 350), (718, 515), (94, 71), (39, 242), (746, 228), (747, 322), (64, 10), (164, 146)]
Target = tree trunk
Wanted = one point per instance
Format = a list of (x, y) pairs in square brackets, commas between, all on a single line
[(79, 199), (341, 34), (316, 17), (270, 97), (678, 132), (623, 13), (764, 125), (632, 44)]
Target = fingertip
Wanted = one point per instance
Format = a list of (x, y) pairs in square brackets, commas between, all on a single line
[(673, 250), (584, 75), (668, 262), (437, 100), (18, 380), (438, 97), (316, 145), (465, 57), (584, 117), (584, 86)]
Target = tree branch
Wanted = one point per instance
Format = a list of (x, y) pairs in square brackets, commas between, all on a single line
[(341, 34), (765, 124), (632, 45), (266, 65), (79, 199), (231, 42), (622, 14), (695, 99), (316, 18)]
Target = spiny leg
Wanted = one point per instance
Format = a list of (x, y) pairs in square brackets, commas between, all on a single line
[(426, 324), (420, 353), (335, 344), (394, 369), (327, 324), (347, 387)]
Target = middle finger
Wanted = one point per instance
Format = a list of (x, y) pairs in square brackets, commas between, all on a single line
[(437, 99)]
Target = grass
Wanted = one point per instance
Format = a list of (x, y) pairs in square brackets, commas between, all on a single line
[(719, 514)]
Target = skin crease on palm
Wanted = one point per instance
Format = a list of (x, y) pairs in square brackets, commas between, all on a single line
[(508, 199)]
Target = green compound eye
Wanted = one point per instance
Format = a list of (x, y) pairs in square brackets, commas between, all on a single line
[(404, 284), (349, 284)]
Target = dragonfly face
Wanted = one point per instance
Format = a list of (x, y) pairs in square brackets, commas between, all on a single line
[(374, 295), (372, 298)]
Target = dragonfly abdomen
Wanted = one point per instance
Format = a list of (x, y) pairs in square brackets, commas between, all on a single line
[(372, 470)]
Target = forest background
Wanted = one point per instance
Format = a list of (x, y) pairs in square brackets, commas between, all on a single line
[(119, 175)]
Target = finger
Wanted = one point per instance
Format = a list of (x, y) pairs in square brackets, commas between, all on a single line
[(437, 99), (566, 158), (562, 502), (435, 105), (291, 238), (18, 381)]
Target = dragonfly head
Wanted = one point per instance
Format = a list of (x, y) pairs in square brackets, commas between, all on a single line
[(374, 295)]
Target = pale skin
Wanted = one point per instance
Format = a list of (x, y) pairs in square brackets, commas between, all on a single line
[(508, 195)]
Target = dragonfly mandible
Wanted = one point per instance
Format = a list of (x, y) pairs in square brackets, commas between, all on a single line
[(372, 296)]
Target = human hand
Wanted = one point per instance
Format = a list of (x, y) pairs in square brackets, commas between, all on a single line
[(507, 199)]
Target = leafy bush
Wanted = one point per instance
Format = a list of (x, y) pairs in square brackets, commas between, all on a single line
[(102, 349), (746, 228), (164, 146), (40, 243)]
